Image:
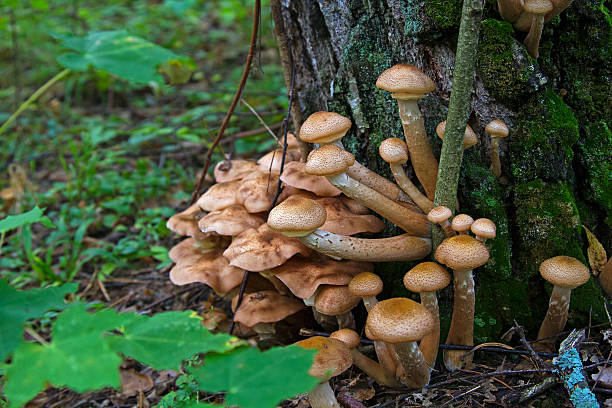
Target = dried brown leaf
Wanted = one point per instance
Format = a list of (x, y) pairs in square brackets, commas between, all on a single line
[(603, 377), (596, 252), (133, 382)]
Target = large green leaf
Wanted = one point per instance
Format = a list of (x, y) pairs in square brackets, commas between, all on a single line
[(124, 55), (16, 307), (255, 379), (30, 217), (166, 339)]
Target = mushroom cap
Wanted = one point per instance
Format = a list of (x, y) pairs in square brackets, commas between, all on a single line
[(564, 271), (333, 356), (271, 161), (186, 222), (297, 216), (393, 150), (294, 175), (462, 253), (190, 247), (366, 284), (266, 306), (341, 220), (238, 170), (484, 228), (537, 6), (426, 277), (399, 320), (324, 127), (257, 191), (335, 300), (470, 138), (439, 214), (328, 160), (497, 128), (230, 221), (405, 79), (462, 223), (220, 196), (347, 336)]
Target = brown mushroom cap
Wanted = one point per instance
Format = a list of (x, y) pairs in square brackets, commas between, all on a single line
[(366, 284), (462, 252), (229, 221), (220, 196), (393, 150), (324, 127), (333, 356), (439, 214), (341, 220), (405, 79), (328, 160), (347, 336), (335, 300), (265, 306), (271, 161), (257, 191), (497, 128), (462, 223), (190, 247), (297, 216), (399, 320), (238, 170), (186, 222), (294, 175), (537, 6), (565, 271), (484, 228), (426, 277), (469, 138)]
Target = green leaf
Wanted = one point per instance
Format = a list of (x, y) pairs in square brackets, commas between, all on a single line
[(255, 379), (79, 356), (119, 53), (16, 307), (164, 340), (30, 217)]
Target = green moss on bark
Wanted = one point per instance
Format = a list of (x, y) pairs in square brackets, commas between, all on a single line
[(445, 14)]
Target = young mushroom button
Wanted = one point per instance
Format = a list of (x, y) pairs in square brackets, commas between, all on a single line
[(440, 215), (461, 223), (484, 229)]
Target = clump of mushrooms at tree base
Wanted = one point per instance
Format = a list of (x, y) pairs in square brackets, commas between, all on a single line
[(304, 252)]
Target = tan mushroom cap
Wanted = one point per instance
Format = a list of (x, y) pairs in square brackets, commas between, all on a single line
[(333, 356), (538, 6), (303, 276), (333, 300), (297, 216), (186, 222), (354, 206), (220, 196), (229, 221), (470, 138), (328, 160), (399, 320), (484, 228), (259, 249), (347, 336), (266, 306), (271, 162), (426, 277), (294, 175), (257, 191), (238, 170), (324, 127), (405, 79), (565, 271), (439, 214), (462, 223), (393, 150), (190, 247), (366, 284), (497, 128), (341, 220), (462, 252)]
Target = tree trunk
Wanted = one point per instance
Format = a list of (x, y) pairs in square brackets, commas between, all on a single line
[(556, 162)]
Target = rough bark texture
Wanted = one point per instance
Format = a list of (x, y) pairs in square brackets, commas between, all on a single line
[(556, 159)]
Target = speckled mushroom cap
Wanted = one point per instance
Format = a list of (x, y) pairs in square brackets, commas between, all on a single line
[(399, 320), (497, 128), (470, 138), (324, 127), (294, 175), (564, 271), (366, 284), (328, 160), (297, 216), (462, 253), (266, 306), (537, 6), (484, 228), (426, 277), (439, 214), (393, 150), (335, 300), (347, 336), (462, 223), (333, 356), (405, 82)]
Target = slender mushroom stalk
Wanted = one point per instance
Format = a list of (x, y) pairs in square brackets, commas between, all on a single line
[(425, 279), (532, 19), (440, 215), (497, 130), (565, 273), (332, 162), (407, 85), (462, 253), (394, 151)]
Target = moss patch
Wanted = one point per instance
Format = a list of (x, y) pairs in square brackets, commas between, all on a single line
[(445, 14)]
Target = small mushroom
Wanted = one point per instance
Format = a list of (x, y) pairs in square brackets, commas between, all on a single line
[(333, 300), (497, 129), (469, 139), (440, 215), (230, 221), (484, 229), (534, 12), (461, 223)]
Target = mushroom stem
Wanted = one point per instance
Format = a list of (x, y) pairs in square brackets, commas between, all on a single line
[(410, 221), (416, 372), (510, 10), (409, 188), (346, 321), (373, 369), (495, 162), (461, 332), (399, 248), (532, 41), (322, 396), (429, 344), (555, 319), (386, 357), (376, 182)]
